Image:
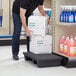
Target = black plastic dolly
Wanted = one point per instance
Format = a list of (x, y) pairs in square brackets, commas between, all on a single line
[(43, 60)]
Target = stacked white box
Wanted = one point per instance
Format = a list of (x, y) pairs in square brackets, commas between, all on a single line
[(38, 24), (40, 42), (37, 12), (41, 45)]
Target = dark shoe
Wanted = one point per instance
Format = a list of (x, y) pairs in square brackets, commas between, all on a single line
[(15, 57)]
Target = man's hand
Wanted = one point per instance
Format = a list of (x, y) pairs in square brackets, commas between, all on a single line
[(42, 11), (28, 31)]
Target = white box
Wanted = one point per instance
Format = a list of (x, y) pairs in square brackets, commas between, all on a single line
[(38, 24), (37, 12), (41, 45)]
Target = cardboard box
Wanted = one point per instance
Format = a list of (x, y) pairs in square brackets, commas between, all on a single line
[(41, 45), (38, 24)]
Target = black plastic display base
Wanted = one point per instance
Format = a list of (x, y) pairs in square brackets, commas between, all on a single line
[(43, 60), (66, 62), (69, 63)]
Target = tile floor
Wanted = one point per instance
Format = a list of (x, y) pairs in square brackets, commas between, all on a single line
[(8, 67)]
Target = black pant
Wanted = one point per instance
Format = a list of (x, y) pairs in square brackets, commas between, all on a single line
[(16, 34)]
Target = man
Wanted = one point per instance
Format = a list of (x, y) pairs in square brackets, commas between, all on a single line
[(22, 9)]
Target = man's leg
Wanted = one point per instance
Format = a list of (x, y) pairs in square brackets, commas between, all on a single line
[(16, 35)]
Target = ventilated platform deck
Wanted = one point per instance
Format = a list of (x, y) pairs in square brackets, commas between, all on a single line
[(43, 60)]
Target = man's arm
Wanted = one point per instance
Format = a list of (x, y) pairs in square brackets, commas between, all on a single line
[(42, 11), (23, 19)]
